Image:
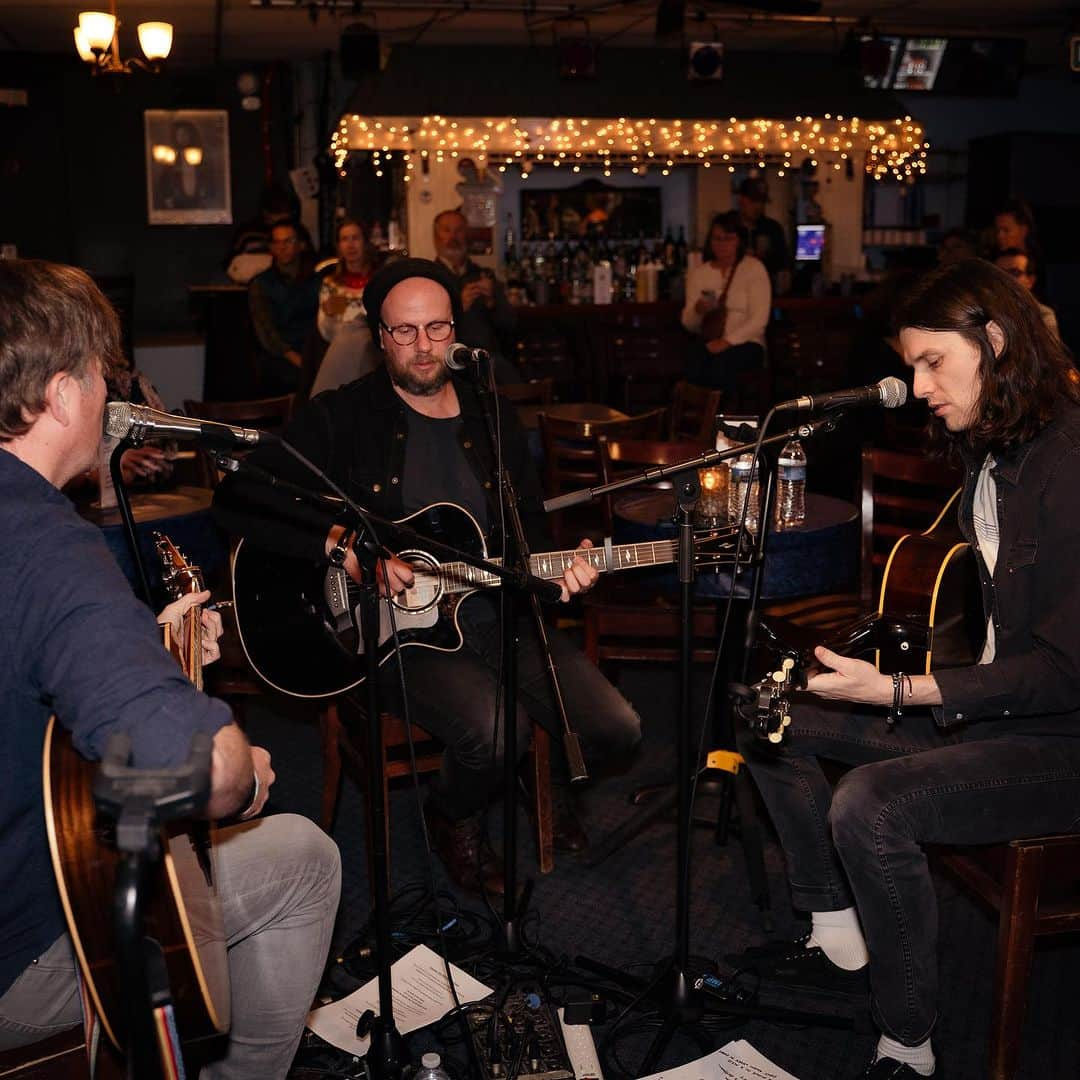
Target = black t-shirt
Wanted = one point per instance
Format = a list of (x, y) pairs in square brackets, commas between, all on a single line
[(436, 469)]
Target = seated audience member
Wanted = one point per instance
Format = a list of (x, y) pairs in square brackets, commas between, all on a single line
[(488, 319), (956, 246), (1022, 266), (351, 352), (249, 248), (78, 644), (284, 301), (728, 299)]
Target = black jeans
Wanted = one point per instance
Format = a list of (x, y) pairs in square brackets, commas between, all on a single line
[(862, 844), (721, 371), (454, 696)]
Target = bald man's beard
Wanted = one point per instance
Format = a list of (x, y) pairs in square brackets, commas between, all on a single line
[(403, 376)]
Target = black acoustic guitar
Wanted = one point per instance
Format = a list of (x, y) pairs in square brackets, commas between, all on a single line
[(298, 623), (929, 617), (182, 911)]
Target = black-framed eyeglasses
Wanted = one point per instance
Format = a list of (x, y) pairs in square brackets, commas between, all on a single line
[(406, 333)]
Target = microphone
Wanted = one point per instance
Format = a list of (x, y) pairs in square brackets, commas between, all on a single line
[(458, 357), (890, 393), (124, 420)]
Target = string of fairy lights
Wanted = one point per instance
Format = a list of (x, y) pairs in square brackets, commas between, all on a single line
[(890, 149)]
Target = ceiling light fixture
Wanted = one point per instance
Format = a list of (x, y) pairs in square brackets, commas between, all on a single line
[(97, 42)]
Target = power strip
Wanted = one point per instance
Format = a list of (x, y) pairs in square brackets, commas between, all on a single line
[(581, 1050)]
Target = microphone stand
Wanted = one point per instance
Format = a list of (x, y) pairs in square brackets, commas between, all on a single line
[(123, 504), (680, 997), (516, 550), (387, 1054)]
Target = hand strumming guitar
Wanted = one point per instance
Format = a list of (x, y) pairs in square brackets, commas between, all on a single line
[(859, 681)]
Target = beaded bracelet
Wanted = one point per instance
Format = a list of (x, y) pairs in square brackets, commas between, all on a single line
[(897, 708)]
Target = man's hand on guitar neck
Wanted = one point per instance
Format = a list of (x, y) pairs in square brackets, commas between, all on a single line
[(580, 576), (859, 681), (395, 576), (211, 623)]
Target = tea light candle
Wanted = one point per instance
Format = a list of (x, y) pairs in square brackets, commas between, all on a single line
[(713, 500)]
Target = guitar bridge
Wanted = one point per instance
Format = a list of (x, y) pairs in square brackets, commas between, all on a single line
[(336, 599)]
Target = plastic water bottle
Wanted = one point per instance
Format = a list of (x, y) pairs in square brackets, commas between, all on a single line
[(744, 473), (431, 1068), (791, 486)]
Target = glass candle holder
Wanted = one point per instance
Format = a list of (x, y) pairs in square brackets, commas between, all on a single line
[(712, 507)]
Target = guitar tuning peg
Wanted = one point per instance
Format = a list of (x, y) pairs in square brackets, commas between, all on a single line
[(779, 676), (775, 737), (787, 720), (788, 663)]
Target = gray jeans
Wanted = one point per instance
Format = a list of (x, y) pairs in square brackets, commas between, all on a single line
[(279, 879)]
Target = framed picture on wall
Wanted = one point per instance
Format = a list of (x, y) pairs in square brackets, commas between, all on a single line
[(187, 167)]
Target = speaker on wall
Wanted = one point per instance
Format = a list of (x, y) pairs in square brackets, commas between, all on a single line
[(359, 51)]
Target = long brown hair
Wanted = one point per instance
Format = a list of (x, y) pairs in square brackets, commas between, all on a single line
[(1022, 386), (53, 318)]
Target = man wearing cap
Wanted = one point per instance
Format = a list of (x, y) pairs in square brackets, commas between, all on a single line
[(766, 237), (408, 435)]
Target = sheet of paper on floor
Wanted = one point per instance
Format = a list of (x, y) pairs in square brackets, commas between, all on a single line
[(736, 1061), (421, 995)]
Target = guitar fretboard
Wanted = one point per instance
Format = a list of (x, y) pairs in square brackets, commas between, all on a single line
[(553, 564)]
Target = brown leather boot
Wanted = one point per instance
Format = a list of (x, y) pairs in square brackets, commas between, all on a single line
[(468, 859)]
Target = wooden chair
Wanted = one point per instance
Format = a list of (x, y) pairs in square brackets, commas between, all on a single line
[(628, 620), (900, 493), (60, 1057), (1034, 885), (533, 392), (267, 414), (693, 412), (572, 460), (350, 740)]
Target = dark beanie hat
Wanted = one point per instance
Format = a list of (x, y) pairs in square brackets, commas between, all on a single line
[(393, 273)]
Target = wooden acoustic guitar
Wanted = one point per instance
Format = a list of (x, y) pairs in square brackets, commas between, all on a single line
[(182, 914), (929, 616)]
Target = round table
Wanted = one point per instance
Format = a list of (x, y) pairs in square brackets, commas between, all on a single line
[(182, 513), (569, 410), (819, 556)]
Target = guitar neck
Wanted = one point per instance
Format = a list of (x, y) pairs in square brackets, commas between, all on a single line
[(551, 565)]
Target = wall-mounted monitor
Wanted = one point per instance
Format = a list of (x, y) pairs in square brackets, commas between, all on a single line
[(969, 66), (809, 243)]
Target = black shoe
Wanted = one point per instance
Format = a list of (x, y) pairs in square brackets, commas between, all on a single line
[(769, 951), (888, 1069), (802, 968)]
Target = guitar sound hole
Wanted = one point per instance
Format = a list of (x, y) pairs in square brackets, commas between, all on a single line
[(426, 588)]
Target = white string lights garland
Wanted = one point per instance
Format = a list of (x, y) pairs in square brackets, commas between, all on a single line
[(892, 148)]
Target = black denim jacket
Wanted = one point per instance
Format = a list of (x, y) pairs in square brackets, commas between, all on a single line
[(357, 435), (1033, 684)]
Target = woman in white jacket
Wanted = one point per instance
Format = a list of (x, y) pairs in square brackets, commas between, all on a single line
[(728, 299)]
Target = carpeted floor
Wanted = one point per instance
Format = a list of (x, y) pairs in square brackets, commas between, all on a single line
[(622, 911)]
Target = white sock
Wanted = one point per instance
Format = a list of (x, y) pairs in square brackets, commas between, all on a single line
[(920, 1058), (839, 937)]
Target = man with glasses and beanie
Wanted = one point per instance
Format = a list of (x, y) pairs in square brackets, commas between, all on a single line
[(410, 434)]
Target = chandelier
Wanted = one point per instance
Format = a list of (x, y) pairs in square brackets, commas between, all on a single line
[(97, 42)]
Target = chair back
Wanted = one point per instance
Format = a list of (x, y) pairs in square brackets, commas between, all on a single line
[(901, 493), (572, 455), (623, 457), (693, 412), (533, 392), (267, 414)]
